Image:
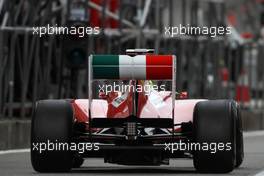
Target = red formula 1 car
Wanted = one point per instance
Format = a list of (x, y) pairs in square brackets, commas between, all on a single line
[(134, 116)]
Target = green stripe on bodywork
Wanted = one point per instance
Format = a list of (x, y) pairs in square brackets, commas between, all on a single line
[(105, 60), (105, 66)]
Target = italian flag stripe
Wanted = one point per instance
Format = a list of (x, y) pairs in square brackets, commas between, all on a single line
[(159, 66), (126, 67), (132, 67), (105, 66)]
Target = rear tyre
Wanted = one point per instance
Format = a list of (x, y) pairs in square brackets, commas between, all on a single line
[(239, 137), (51, 124), (214, 127)]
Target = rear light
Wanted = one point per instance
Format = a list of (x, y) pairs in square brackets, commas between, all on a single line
[(131, 130)]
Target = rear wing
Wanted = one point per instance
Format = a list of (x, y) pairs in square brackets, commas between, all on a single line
[(140, 67), (126, 67)]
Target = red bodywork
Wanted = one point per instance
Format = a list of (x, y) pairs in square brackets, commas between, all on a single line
[(154, 105)]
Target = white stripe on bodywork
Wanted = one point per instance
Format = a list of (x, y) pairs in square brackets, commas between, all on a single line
[(139, 67), (132, 67), (125, 64)]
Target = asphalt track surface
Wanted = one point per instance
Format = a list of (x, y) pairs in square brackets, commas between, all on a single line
[(18, 163)]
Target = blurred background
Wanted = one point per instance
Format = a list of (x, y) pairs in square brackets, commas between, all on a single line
[(55, 66)]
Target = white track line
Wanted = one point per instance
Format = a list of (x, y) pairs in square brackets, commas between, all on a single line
[(13, 151), (261, 173), (253, 133)]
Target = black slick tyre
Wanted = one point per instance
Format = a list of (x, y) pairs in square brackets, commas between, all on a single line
[(214, 127), (52, 123)]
